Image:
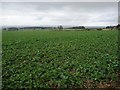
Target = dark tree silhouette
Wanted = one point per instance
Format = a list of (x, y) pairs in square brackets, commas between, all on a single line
[(60, 27)]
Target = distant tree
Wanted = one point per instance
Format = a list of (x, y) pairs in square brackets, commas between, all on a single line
[(60, 27), (12, 29), (118, 26), (109, 27), (99, 29), (78, 27), (4, 28), (87, 29), (54, 27)]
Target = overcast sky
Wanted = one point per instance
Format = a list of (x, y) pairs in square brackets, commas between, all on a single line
[(59, 13), (119, 12), (60, 0)]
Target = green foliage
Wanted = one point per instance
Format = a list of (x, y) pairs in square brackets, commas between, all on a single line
[(58, 59)]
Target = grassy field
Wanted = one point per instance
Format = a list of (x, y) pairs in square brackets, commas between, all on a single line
[(59, 58)]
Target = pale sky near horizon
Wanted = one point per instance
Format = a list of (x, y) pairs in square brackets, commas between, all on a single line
[(59, 13)]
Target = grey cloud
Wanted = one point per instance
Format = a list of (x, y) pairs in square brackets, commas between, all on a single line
[(60, 0), (79, 13), (78, 6), (45, 6)]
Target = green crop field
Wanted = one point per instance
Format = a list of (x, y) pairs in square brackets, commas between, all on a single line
[(58, 59)]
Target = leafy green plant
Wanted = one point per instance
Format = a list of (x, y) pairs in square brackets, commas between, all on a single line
[(58, 59)]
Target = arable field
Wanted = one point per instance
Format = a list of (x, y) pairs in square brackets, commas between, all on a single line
[(59, 59)]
